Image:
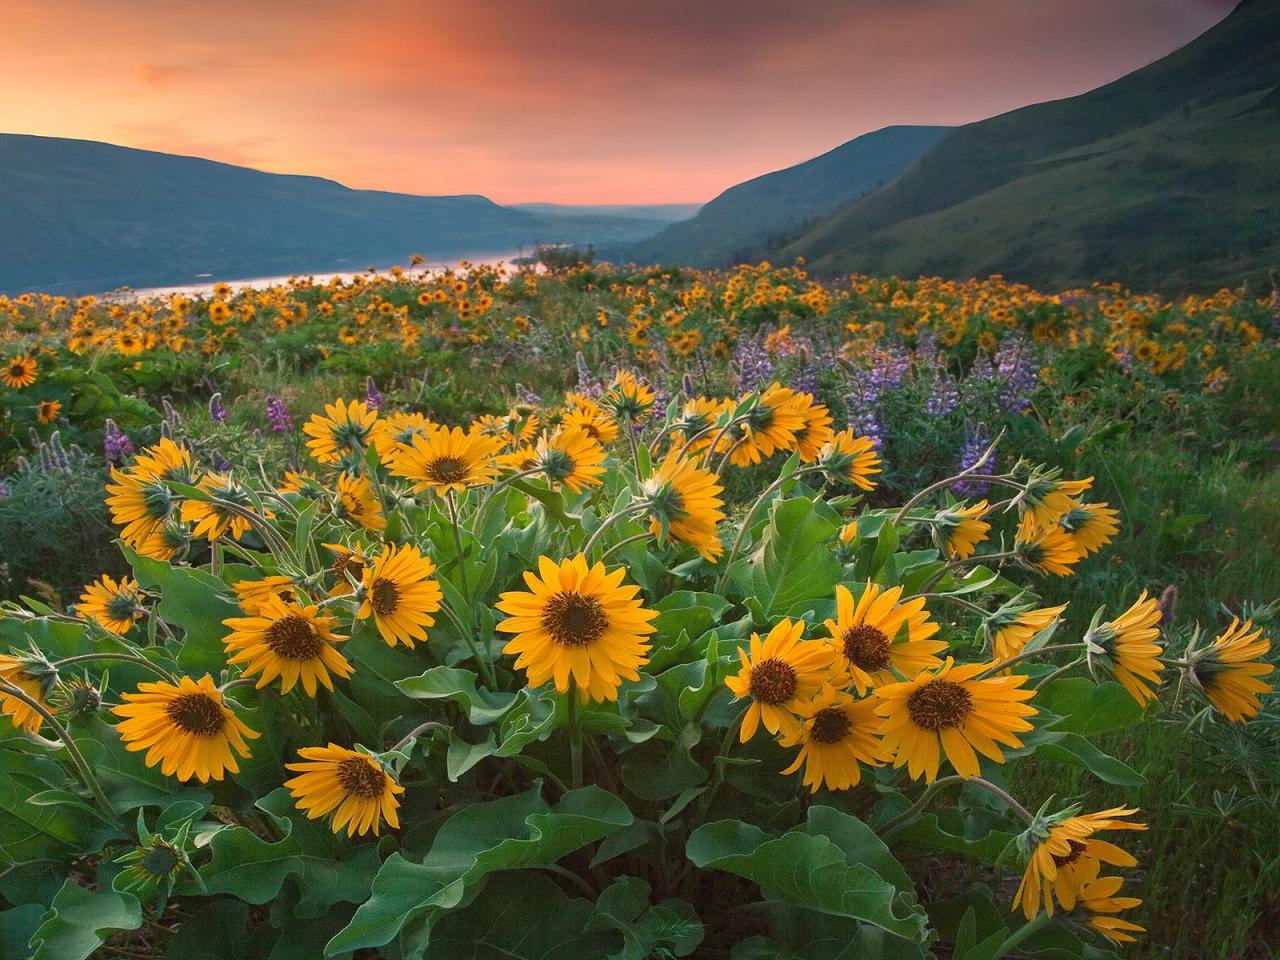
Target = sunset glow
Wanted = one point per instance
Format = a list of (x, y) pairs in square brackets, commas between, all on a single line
[(567, 101)]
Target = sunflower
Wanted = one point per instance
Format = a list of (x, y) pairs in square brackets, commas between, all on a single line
[(186, 727), (139, 505), (1047, 551), (399, 428), (47, 411), (353, 786), (302, 482), (115, 606), (19, 372), (693, 427), (628, 398), (344, 430), (572, 458), (1099, 903), (1013, 629), (1046, 497), (162, 542), (961, 529), (950, 710), (165, 460), (252, 594), (447, 460), (849, 459), (34, 680), (837, 733), (817, 432), (400, 594), (222, 514), (348, 564), (780, 674), (1090, 526), (1127, 645), (878, 635), (289, 641), (1062, 855), (579, 625), (594, 424), (1228, 670), (684, 502), (773, 424), (358, 502)]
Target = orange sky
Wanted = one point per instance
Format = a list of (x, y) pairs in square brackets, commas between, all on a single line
[(573, 101)]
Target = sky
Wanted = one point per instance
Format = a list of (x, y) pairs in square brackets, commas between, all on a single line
[(568, 101)]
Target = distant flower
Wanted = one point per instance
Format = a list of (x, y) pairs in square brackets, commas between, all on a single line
[(217, 409), (278, 415), (373, 396), (976, 441), (116, 445)]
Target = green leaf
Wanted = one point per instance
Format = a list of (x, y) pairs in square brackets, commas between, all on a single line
[(1087, 708), (34, 831), (793, 563), (671, 927), (79, 921), (1073, 749), (462, 687), (807, 868), (16, 927), (194, 601), (462, 756), (513, 833), (217, 931)]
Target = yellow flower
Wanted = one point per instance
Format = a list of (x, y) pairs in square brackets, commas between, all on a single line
[(817, 432), (347, 560), (773, 424), (779, 675), (358, 502), (289, 641), (684, 501), (693, 428), (591, 422), (1228, 671), (400, 594), (354, 787), (19, 372), (1062, 855), (849, 459), (1047, 551), (447, 460), (399, 428), (571, 457), (837, 733), (216, 517), (962, 529), (876, 636), (1127, 645), (950, 710), (252, 594), (579, 623), (47, 410), (345, 429), (1090, 526), (115, 606), (20, 673), (1100, 904), (1046, 497), (1013, 631), (187, 728), (629, 399)]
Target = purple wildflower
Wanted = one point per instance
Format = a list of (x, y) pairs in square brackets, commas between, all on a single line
[(944, 395), (373, 396), (588, 385), (116, 445), (1016, 366), (220, 463), (752, 364), (217, 409), (278, 415), (976, 441), (526, 396)]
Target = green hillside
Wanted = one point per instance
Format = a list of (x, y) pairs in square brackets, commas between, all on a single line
[(1165, 179), (771, 207)]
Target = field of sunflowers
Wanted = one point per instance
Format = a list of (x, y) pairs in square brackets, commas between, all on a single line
[(639, 614)]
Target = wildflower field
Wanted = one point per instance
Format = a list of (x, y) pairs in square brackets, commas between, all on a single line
[(639, 614)]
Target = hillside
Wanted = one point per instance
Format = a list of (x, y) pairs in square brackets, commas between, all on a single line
[(79, 216), (607, 223), (1164, 179), (773, 206)]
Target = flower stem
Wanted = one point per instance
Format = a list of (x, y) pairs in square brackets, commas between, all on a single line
[(128, 657), (963, 474), (1025, 655), (575, 735), (610, 521)]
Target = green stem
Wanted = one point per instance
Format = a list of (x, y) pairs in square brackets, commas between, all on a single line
[(1059, 672), (486, 667), (462, 563), (77, 758), (127, 657), (622, 543), (493, 495), (962, 475), (1015, 938), (575, 735), (902, 819), (610, 521), (1026, 655)]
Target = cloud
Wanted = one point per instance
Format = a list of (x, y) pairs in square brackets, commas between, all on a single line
[(157, 75)]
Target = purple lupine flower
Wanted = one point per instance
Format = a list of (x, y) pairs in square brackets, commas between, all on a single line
[(220, 463), (805, 377), (976, 441), (116, 445), (1016, 365), (373, 396), (944, 394), (927, 349), (752, 364), (526, 396), (278, 415), (217, 409), (687, 387), (171, 415), (588, 385)]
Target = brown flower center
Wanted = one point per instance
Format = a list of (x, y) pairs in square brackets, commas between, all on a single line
[(360, 778), (866, 647), (294, 638), (830, 725), (939, 705), (773, 681), (574, 620), (385, 597), (197, 714), (447, 470), (1073, 854), (348, 563)]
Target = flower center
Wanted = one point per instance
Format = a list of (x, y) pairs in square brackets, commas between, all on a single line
[(385, 597), (348, 563), (121, 606), (360, 778), (830, 725), (939, 705), (773, 681), (866, 647), (160, 860), (197, 714), (294, 638), (1073, 854), (447, 470), (574, 620)]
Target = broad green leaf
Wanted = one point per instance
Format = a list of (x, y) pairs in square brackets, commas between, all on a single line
[(16, 927), (793, 562), (1073, 749), (462, 687), (79, 921), (33, 831), (1088, 708), (194, 601), (513, 833)]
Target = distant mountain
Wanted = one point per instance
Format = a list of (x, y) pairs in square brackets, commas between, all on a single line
[(771, 207), (78, 216), (1168, 178), (602, 224)]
